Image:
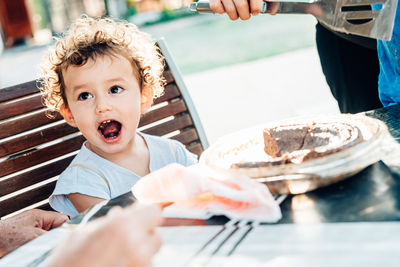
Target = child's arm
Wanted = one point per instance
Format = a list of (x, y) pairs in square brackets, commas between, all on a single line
[(83, 202)]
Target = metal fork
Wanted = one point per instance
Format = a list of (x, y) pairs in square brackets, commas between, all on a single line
[(225, 241)]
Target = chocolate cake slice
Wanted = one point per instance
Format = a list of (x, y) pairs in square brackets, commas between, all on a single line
[(297, 143), (304, 142), (279, 141)]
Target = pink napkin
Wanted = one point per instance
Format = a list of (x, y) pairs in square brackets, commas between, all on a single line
[(198, 191)]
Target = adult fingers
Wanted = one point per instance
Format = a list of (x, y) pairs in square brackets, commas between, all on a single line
[(217, 6), (38, 232), (272, 7), (255, 6), (230, 9), (147, 216), (141, 255), (115, 211), (153, 243), (243, 9), (50, 219)]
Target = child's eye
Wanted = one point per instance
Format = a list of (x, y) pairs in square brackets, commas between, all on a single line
[(84, 96), (116, 90)]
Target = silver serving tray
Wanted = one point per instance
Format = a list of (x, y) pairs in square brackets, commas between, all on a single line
[(248, 146)]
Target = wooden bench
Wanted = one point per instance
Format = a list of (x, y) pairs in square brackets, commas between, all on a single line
[(34, 149)]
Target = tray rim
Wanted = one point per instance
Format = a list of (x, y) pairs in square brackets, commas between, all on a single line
[(360, 155)]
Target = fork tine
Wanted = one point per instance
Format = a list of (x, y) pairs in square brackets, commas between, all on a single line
[(354, 15), (363, 2)]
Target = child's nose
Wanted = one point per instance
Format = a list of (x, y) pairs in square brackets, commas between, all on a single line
[(102, 105)]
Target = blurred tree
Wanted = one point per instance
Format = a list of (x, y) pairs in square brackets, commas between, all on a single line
[(41, 13)]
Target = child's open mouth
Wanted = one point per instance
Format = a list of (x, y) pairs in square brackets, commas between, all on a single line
[(110, 129)]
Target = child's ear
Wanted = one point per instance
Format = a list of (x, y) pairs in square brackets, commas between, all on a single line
[(67, 114), (146, 98)]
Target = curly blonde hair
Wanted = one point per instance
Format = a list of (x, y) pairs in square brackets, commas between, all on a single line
[(87, 38)]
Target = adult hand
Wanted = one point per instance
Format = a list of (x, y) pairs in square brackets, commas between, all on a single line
[(22, 228), (242, 8), (125, 237), (237, 8)]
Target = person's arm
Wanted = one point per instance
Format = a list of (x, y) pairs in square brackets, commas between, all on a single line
[(22, 228), (82, 202), (125, 237)]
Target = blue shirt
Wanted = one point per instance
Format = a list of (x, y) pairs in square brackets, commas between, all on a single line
[(389, 60)]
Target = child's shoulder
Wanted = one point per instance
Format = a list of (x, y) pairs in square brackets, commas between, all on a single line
[(162, 142), (149, 138), (84, 155), (85, 161), (170, 148)]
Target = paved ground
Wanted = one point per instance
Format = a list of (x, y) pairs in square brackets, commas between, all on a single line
[(284, 86), (228, 98)]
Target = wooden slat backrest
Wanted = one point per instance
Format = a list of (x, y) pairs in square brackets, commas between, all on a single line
[(34, 149)]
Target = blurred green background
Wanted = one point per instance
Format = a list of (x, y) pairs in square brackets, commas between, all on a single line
[(198, 42), (210, 41)]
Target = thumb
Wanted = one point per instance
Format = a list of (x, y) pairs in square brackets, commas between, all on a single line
[(39, 231)]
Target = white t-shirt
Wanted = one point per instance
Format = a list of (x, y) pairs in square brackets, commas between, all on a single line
[(92, 175)]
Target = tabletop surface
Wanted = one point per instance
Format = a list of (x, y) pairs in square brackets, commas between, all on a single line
[(371, 195), (371, 198)]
